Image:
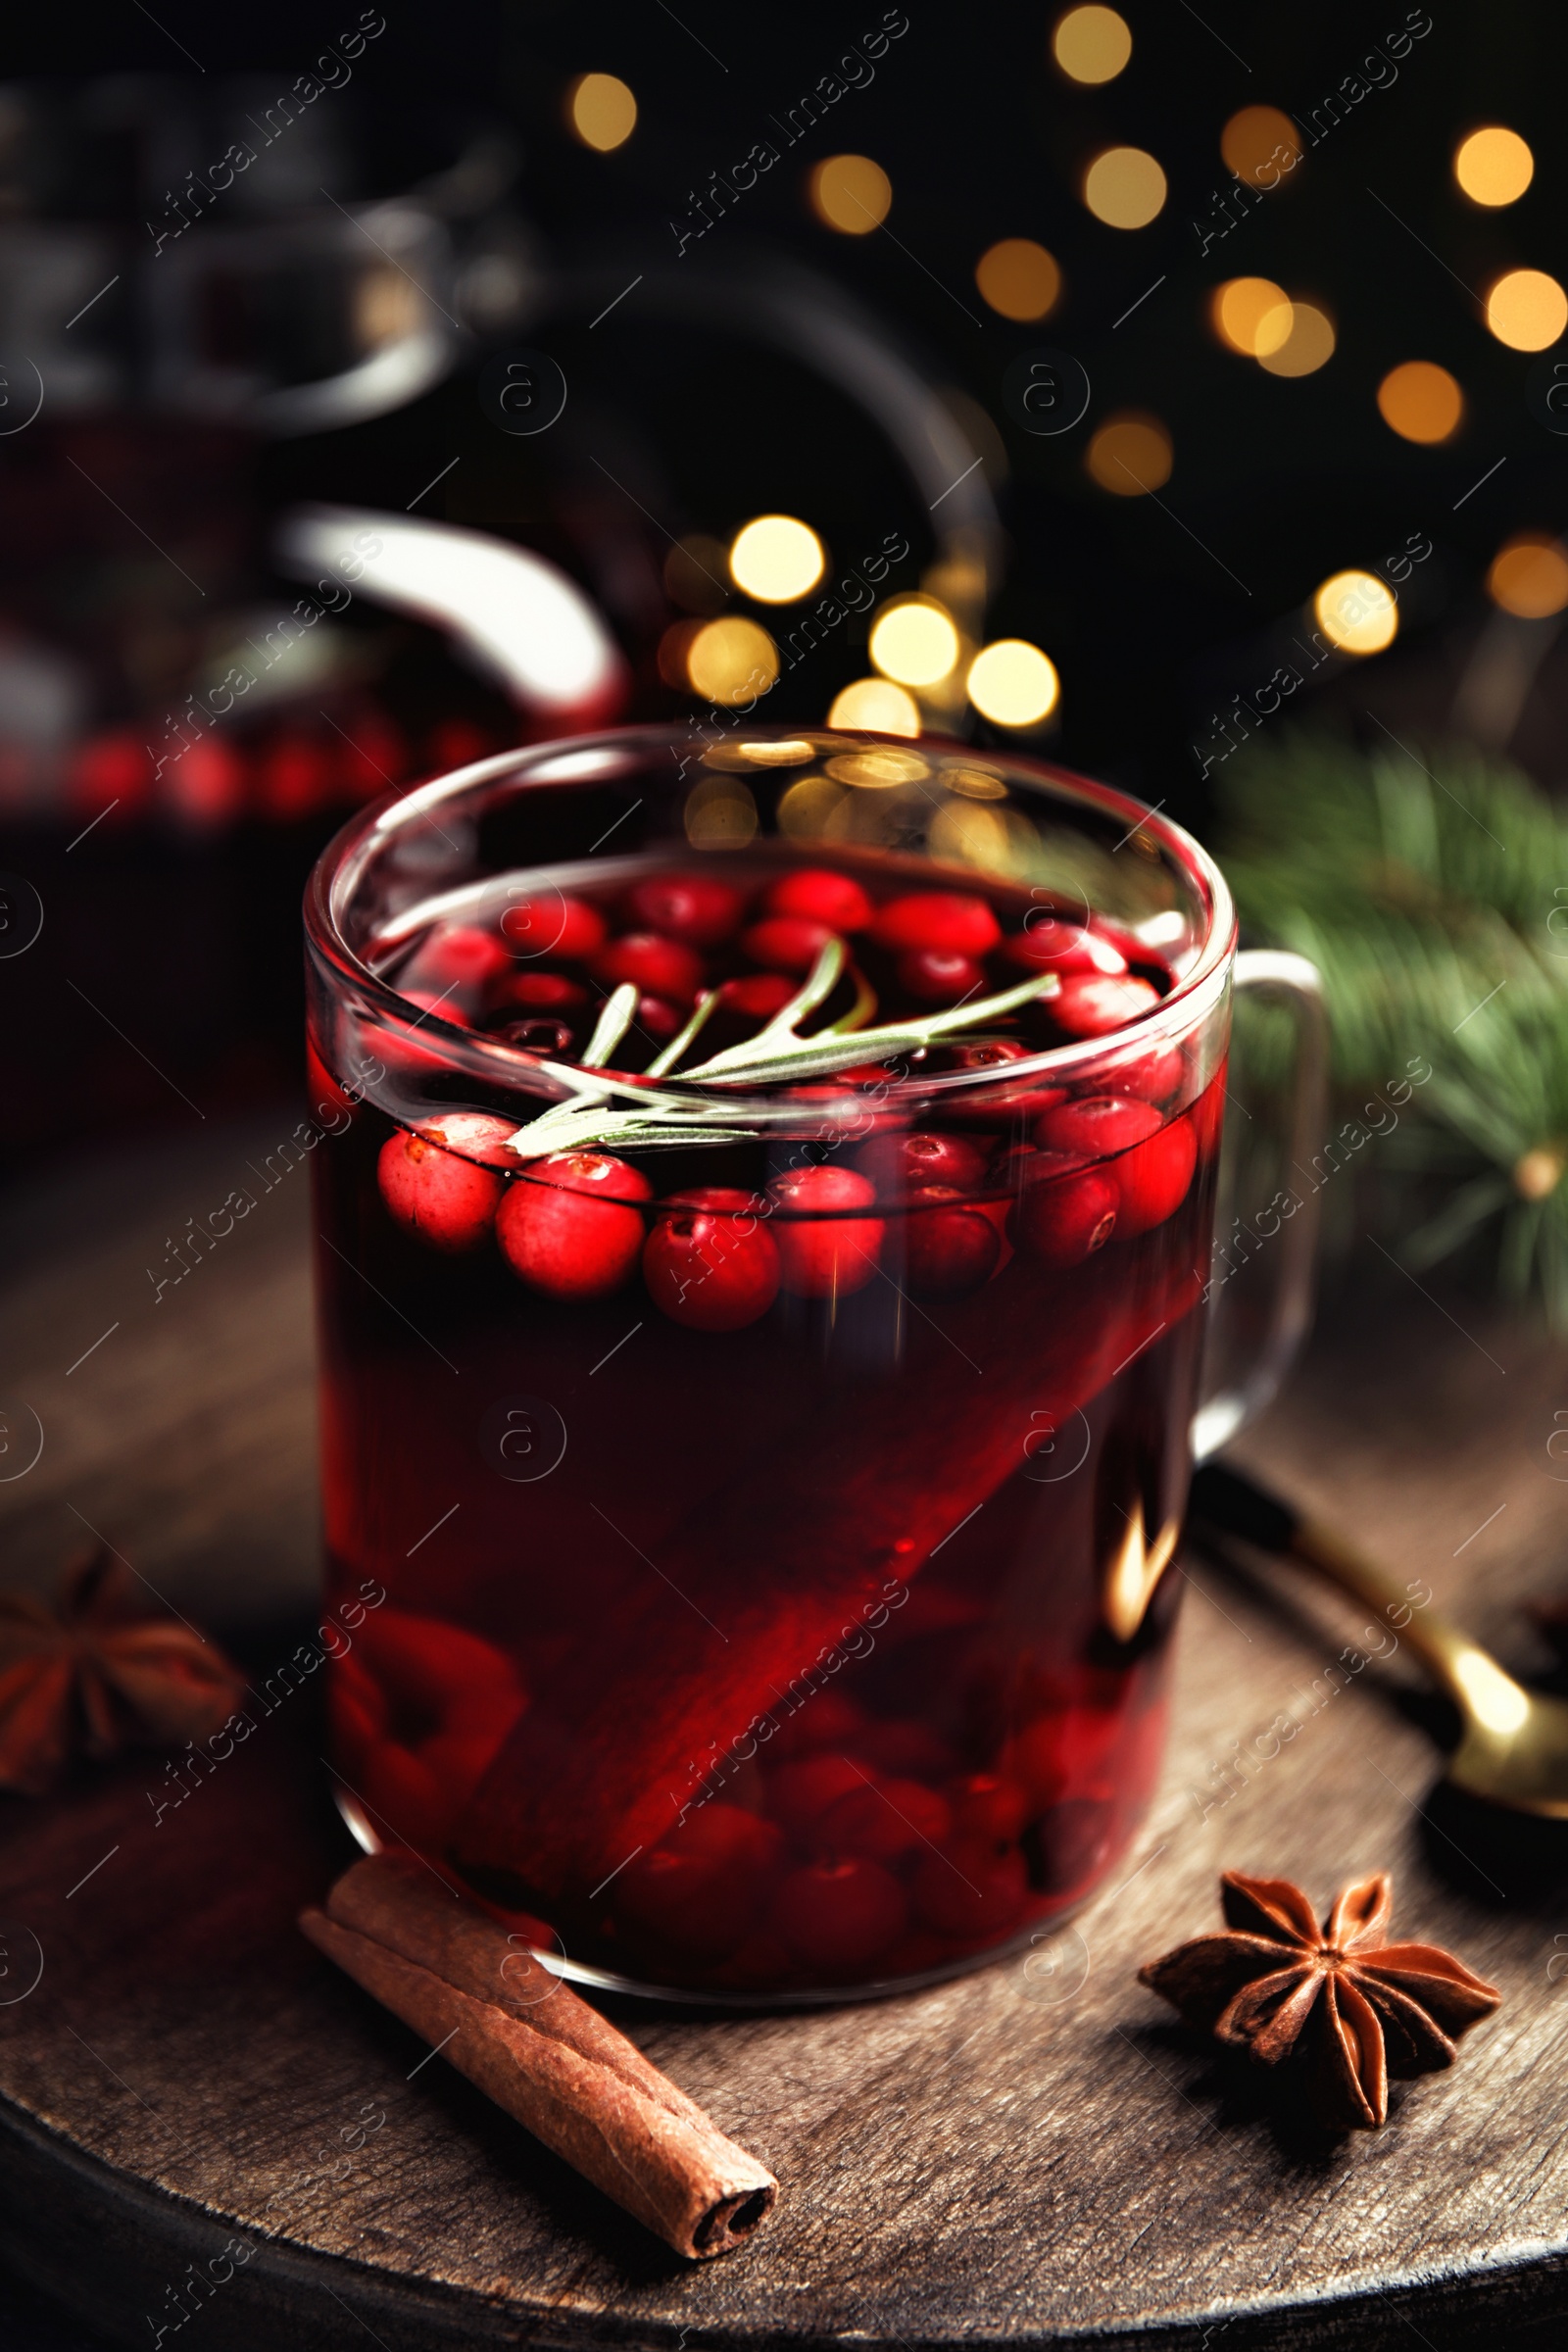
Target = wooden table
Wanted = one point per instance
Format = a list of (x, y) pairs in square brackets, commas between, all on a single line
[(1029, 2153)]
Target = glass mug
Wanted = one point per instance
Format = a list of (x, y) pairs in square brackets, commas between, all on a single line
[(754, 1490)]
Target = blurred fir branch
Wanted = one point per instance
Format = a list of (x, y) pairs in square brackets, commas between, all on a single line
[(1430, 889)]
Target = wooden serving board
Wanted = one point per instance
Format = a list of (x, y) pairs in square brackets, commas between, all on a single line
[(1028, 2154)]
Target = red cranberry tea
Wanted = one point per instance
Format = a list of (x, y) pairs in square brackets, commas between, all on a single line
[(761, 1389)]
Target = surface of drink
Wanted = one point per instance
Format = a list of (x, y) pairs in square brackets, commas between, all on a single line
[(772, 1528)]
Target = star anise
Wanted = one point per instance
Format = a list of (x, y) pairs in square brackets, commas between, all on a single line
[(1350, 2008), (100, 1674)]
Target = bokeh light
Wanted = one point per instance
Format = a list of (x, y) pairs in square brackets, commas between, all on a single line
[(1307, 346), (1124, 187), (1493, 165), (1130, 455), (1356, 612), (1526, 310), (914, 640), (850, 193), (1252, 315), (1091, 44), (776, 560), (1529, 576), (602, 110), (1420, 401), (1019, 279), (1014, 684), (730, 661), (1260, 145), (876, 706)]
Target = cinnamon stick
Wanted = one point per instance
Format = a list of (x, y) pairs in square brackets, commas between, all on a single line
[(527, 2041)]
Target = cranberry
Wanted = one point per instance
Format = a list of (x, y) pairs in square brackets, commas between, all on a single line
[(757, 997), (697, 1890), (884, 1818), (822, 896), (552, 925), (568, 1227), (1091, 1126), (1153, 1178), (827, 1719), (1065, 1212), (968, 1888), (979, 1053), (693, 907), (800, 1794), (1153, 1077), (436, 1195), (542, 991), (946, 1251), (987, 1808), (952, 919), (1088, 1006), (896, 1162), (1067, 1746), (659, 1021), (461, 956), (786, 943), (539, 1034), (712, 1271), (824, 1255), (1049, 944), (655, 967), (841, 1914), (938, 975)]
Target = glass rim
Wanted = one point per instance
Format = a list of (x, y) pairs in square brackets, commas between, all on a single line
[(472, 1053)]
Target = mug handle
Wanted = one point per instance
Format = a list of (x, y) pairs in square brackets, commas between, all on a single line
[(1296, 983)]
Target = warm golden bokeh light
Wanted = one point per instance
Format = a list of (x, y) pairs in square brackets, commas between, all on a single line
[(1420, 401), (721, 813), (776, 560), (1019, 279), (1130, 455), (731, 660), (1124, 187), (1252, 315), (914, 640), (1356, 612), (1091, 44), (1260, 145), (1307, 346), (1529, 576), (850, 193), (1526, 310), (877, 707), (1493, 165), (602, 110), (1014, 684)]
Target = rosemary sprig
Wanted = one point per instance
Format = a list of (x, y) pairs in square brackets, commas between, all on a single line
[(776, 1056), (615, 1019)]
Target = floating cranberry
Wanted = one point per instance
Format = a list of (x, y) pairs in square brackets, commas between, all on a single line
[(947, 1250), (950, 919), (988, 1809), (896, 1164), (712, 1271), (568, 1227), (823, 897), (462, 957), (655, 967), (841, 1914), (938, 976), (786, 943), (697, 1891), (1091, 1007), (979, 1053), (656, 1019), (542, 991), (693, 907), (969, 1888), (799, 1793), (1093, 1126), (823, 1253), (1065, 1212), (554, 924), (1153, 1077), (1151, 1180), (439, 1196), (884, 1818), (756, 997), (1049, 944)]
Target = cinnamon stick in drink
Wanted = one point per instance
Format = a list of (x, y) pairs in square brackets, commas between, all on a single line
[(780, 1566), (528, 2042)]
